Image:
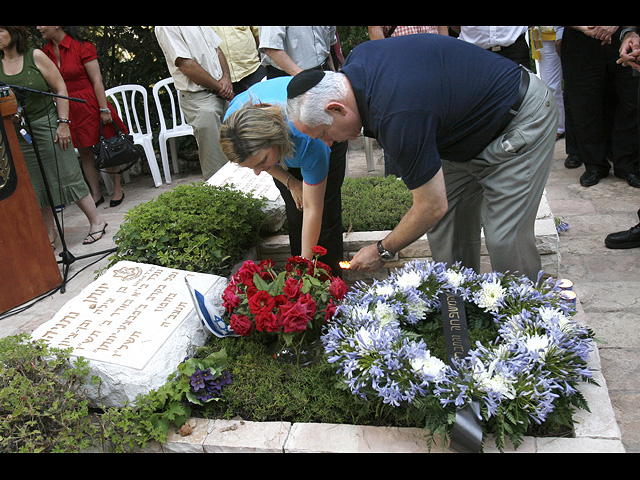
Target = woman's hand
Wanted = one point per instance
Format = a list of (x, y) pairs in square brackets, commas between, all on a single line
[(105, 117), (63, 136), (295, 187)]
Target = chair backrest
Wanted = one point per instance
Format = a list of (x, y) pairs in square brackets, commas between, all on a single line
[(131, 103), (167, 101)]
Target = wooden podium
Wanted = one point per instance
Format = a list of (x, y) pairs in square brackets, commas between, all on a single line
[(28, 266)]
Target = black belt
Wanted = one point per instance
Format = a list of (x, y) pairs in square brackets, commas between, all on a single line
[(525, 79), (274, 72), (519, 41)]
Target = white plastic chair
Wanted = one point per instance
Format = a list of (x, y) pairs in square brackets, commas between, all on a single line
[(169, 113), (131, 102)]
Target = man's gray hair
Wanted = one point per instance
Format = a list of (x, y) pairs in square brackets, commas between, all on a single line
[(310, 107)]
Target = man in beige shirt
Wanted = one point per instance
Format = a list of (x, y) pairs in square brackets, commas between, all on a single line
[(201, 75), (240, 48)]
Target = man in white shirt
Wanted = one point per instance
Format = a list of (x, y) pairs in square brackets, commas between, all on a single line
[(290, 50), (507, 41), (201, 75)]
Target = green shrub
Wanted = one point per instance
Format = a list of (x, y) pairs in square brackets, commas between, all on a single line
[(198, 227), (41, 405), (374, 203), (44, 408)]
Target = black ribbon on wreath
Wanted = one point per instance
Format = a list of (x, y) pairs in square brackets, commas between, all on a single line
[(466, 436)]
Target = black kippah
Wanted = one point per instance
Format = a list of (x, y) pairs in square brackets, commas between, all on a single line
[(303, 82)]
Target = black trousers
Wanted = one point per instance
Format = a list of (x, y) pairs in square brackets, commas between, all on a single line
[(518, 52), (251, 79), (331, 231), (602, 101)]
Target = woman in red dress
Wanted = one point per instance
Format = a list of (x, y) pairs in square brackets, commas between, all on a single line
[(78, 63)]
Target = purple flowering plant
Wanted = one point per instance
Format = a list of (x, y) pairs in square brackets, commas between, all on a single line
[(561, 225), (197, 381), (201, 379)]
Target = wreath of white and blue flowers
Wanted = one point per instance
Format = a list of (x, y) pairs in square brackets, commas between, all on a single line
[(539, 352)]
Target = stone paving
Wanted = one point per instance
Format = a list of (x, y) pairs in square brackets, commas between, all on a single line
[(606, 282)]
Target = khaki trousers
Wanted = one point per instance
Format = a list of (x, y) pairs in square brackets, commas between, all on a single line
[(204, 111), (500, 191)]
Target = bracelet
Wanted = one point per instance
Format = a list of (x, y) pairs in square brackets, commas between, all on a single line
[(105, 110), (288, 178), (63, 120)]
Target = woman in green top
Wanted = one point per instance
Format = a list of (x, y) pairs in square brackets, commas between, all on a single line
[(31, 68)]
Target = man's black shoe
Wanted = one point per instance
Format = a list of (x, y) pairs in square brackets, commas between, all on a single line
[(627, 239), (632, 179), (592, 177), (572, 161)]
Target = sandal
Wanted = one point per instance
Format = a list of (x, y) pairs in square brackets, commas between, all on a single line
[(92, 236)]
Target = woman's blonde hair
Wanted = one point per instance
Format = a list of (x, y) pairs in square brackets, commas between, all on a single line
[(252, 128)]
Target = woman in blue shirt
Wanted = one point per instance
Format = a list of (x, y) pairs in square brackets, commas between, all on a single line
[(256, 134)]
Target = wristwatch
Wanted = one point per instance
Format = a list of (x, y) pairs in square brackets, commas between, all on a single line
[(385, 255)]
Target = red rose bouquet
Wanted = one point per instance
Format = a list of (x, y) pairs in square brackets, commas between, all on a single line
[(294, 303)]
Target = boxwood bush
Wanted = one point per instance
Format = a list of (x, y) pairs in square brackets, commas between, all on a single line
[(197, 227), (374, 203)]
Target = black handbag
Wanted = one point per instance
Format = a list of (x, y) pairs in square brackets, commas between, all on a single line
[(115, 151)]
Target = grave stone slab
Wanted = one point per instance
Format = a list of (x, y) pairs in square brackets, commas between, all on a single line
[(134, 324), (245, 180)]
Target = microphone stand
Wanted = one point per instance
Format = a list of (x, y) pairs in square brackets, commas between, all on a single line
[(67, 258)]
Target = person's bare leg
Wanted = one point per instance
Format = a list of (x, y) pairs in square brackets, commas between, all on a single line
[(97, 224), (49, 223), (91, 173)]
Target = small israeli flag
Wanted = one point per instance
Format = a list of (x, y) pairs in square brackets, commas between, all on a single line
[(210, 321)]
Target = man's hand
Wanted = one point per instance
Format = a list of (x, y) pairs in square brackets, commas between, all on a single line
[(367, 259), (428, 208), (630, 50), (603, 34), (226, 89)]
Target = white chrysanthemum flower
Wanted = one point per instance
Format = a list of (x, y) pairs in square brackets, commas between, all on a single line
[(550, 313), (497, 383), (409, 279), (384, 314), (385, 290), (501, 352), (430, 366), (359, 312), (455, 279), (364, 338), (490, 295), (420, 309), (538, 343)]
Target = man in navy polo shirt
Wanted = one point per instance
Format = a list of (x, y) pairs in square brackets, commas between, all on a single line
[(471, 132)]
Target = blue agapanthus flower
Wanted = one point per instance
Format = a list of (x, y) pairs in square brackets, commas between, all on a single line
[(539, 351)]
